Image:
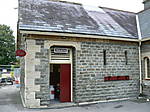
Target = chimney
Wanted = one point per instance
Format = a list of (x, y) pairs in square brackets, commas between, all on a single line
[(146, 4)]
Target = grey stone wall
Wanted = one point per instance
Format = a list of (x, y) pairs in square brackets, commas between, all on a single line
[(74, 55), (90, 71), (22, 66), (43, 68), (145, 52)]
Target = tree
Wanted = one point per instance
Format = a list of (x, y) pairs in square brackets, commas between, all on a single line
[(7, 46)]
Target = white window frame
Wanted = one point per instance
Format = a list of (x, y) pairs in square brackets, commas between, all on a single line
[(146, 59), (62, 61)]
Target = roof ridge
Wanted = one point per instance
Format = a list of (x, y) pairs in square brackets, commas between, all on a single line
[(117, 9), (64, 1)]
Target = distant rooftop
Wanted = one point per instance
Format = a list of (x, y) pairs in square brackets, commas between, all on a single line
[(144, 20)]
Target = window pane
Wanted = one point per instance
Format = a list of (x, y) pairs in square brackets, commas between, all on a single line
[(148, 68), (126, 58), (104, 56)]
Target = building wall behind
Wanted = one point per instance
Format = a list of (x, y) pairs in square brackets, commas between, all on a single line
[(146, 4), (145, 51), (144, 22)]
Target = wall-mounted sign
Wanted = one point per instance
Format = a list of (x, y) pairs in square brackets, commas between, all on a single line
[(61, 50), (4, 70), (116, 78), (20, 53)]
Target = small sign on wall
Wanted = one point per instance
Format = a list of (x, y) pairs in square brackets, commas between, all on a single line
[(116, 78), (20, 53), (61, 50)]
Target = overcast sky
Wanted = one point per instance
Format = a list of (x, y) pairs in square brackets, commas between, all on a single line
[(8, 11)]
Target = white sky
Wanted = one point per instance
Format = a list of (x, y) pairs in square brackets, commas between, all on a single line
[(8, 13)]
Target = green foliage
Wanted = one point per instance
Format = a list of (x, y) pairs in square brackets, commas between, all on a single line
[(7, 46)]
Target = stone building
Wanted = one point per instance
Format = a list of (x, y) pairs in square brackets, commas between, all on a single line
[(80, 54)]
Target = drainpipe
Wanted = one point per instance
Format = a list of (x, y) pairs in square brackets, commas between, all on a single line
[(140, 37), (140, 67)]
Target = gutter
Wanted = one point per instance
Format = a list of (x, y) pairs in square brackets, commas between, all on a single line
[(140, 66), (145, 39)]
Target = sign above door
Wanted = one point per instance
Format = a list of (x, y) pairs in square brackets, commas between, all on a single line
[(61, 50)]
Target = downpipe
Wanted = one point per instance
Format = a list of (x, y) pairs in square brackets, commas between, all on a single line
[(140, 66)]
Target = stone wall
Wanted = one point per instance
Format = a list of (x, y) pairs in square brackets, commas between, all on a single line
[(74, 55), (145, 52), (90, 71), (22, 66), (43, 68), (34, 73), (31, 74)]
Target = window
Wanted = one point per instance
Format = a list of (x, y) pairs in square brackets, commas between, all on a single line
[(104, 56), (147, 68), (126, 57)]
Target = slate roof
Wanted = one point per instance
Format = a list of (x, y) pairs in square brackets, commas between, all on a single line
[(144, 21), (54, 16)]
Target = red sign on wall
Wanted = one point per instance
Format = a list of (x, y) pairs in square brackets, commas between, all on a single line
[(20, 53), (116, 78)]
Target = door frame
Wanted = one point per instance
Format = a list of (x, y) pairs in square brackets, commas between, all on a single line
[(63, 62)]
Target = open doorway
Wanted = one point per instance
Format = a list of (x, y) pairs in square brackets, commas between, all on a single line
[(55, 80), (60, 81)]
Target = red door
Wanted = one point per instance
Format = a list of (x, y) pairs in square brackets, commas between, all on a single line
[(65, 82)]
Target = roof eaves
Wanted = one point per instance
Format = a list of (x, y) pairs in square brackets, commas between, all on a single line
[(42, 29), (78, 35)]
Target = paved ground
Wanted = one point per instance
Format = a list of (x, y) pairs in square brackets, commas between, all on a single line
[(10, 102)]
